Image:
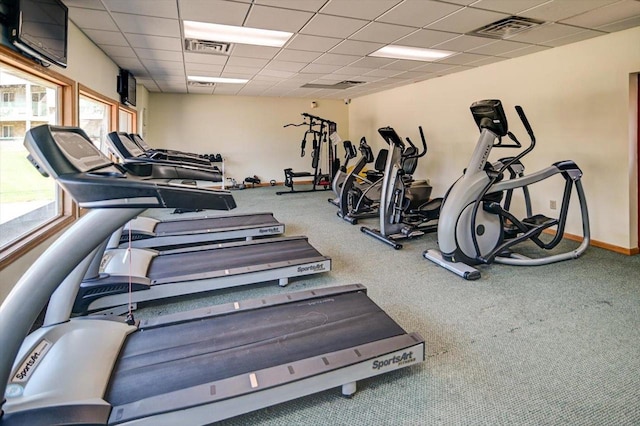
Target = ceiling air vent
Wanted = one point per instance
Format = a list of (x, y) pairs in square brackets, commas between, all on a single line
[(507, 27), (206, 46), (341, 85), (200, 83)]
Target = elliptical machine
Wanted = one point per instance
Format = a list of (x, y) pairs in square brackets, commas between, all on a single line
[(360, 196), (405, 208), (475, 228), (341, 174)]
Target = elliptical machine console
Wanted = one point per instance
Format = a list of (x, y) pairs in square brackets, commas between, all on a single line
[(476, 226)]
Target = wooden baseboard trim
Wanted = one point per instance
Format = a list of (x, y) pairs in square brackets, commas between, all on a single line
[(600, 244)]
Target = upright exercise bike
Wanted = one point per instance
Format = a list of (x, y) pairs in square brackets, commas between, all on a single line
[(475, 228)]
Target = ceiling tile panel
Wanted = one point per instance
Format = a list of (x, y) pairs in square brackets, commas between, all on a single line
[(260, 52), (320, 68), (426, 38), (403, 65), (204, 69), (463, 43), (621, 25), (606, 15), (241, 70), (154, 42), (273, 18), (372, 62), (308, 5), (462, 58), (293, 55), (113, 38), (333, 59), (214, 11), (312, 43), (121, 51), (200, 90), (147, 25), (583, 35), (467, 19), (203, 58), (86, 4), (418, 13), (162, 55), (353, 47), (332, 26), (247, 62), (546, 32), (558, 10), (363, 9), (486, 61), (158, 8), (285, 66), (508, 6), (525, 51), (498, 47), (384, 73), (90, 19), (381, 32)]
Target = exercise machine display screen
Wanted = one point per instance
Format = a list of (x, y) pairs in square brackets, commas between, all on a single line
[(79, 151)]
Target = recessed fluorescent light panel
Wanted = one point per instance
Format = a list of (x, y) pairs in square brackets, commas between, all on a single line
[(233, 34), (411, 53), (204, 79)]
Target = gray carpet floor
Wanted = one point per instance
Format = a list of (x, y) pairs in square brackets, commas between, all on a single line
[(546, 345)]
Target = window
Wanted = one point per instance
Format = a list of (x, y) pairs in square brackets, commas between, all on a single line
[(97, 116), (32, 208), (7, 131), (39, 107), (126, 120), (8, 97), (27, 200)]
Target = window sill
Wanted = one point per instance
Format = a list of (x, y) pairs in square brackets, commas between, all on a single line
[(25, 244)]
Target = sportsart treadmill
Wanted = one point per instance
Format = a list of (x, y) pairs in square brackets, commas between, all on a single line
[(147, 232), (126, 149), (121, 276), (190, 368)]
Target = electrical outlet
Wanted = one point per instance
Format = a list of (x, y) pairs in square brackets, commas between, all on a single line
[(552, 204)]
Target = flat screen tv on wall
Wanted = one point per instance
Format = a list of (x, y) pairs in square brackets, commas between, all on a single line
[(127, 88), (39, 28)]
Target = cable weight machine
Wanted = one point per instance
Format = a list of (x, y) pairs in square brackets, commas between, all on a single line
[(323, 158)]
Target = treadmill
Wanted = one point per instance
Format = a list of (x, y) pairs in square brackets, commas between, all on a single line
[(122, 276), (139, 140), (147, 232), (129, 152), (214, 363)]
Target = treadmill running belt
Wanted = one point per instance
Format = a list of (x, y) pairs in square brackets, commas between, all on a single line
[(215, 223), (197, 262), (178, 356)]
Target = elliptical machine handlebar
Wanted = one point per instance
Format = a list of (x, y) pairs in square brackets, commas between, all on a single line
[(424, 146)]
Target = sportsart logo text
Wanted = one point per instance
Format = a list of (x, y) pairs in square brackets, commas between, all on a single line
[(31, 362), (272, 230), (314, 268), (405, 358)]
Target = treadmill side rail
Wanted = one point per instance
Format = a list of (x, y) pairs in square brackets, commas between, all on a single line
[(54, 355)]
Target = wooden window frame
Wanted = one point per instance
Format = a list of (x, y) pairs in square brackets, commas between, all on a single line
[(67, 117)]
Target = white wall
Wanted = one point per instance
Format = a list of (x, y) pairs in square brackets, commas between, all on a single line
[(247, 131), (577, 98)]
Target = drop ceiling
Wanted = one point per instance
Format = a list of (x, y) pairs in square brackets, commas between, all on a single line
[(331, 39)]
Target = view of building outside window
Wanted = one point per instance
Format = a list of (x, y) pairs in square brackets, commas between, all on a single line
[(95, 119), (125, 121), (27, 199)]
